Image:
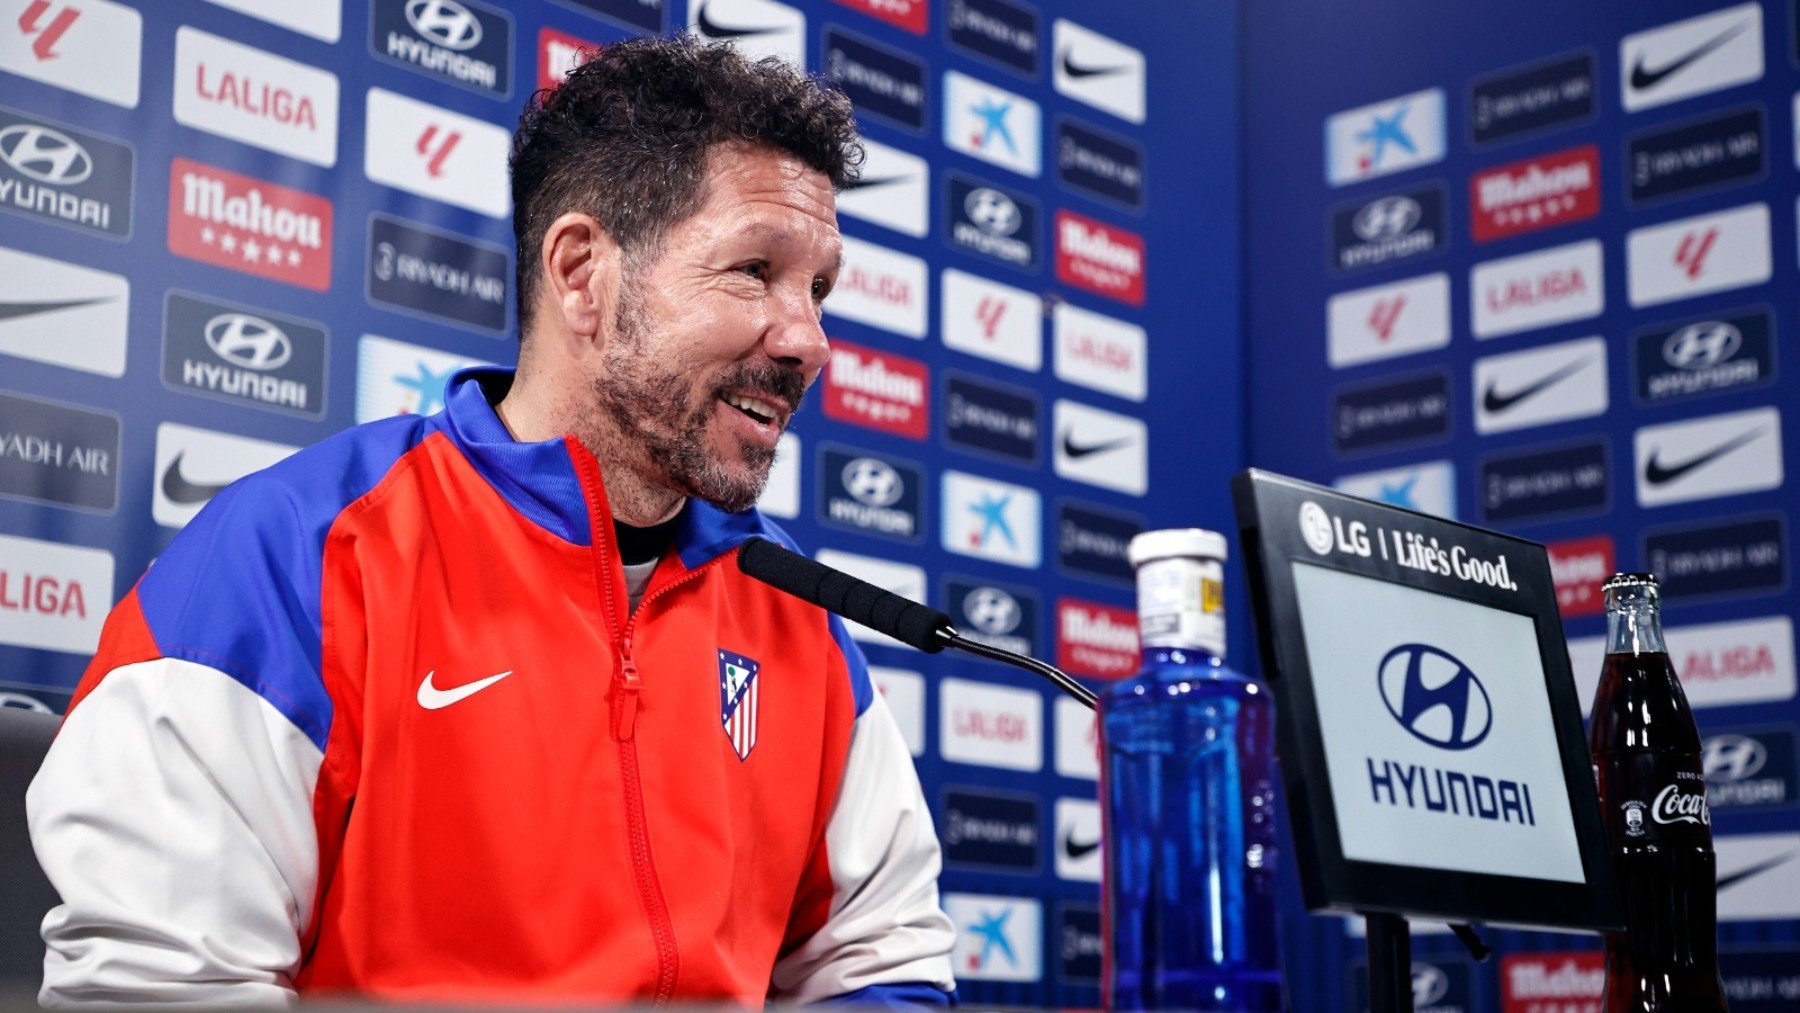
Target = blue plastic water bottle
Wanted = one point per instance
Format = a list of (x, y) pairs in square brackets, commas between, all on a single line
[(1188, 787)]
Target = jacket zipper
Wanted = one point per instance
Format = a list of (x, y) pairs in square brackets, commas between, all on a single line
[(628, 692)]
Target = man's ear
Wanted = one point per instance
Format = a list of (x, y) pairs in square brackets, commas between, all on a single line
[(582, 266)]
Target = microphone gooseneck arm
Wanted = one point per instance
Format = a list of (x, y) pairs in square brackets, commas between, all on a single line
[(882, 610)]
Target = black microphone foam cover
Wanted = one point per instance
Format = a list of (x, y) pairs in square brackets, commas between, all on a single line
[(859, 601)]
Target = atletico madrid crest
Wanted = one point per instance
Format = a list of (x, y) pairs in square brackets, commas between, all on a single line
[(738, 692)]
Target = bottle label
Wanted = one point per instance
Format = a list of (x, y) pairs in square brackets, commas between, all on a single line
[(1655, 798), (1181, 603)]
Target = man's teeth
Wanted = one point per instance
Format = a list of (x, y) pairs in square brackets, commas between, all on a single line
[(762, 410)]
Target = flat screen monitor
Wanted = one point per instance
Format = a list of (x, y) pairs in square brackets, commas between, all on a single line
[(1430, 737)]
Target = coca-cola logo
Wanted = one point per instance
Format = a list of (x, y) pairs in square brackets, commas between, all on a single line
[(1672, 805)]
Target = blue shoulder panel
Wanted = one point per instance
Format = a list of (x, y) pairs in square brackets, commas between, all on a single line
[(902, 995), (239, 589)]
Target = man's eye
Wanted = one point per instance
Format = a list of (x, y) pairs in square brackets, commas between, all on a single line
[(758, 269), (821, 288)]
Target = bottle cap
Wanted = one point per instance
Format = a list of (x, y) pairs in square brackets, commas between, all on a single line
[(1622, 580), (1197, 543)]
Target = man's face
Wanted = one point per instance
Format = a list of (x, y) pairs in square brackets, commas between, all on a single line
[(718, 333)]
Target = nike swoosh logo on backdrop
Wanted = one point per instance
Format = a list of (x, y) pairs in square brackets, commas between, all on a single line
[(864, 184), (1760, 867), (1657, 473), (1073, 69), (1081, 849), (1494, 401), (1078, 450), (713, 30), (1642, 78), (432, 698), (182, 492), (14, 310)]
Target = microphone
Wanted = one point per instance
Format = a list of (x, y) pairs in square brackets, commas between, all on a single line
[(879, 609)]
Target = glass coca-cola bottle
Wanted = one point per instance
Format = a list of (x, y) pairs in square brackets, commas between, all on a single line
[(1646, 756)]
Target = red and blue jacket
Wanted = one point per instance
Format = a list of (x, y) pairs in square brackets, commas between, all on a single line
[(381, 722)]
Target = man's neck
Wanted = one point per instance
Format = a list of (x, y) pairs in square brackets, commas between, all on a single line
[(532, 418)]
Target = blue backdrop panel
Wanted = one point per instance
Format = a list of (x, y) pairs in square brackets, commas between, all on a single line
[(288, 218), (1395, 345)]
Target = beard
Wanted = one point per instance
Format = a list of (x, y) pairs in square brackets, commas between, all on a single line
[(654, 407)]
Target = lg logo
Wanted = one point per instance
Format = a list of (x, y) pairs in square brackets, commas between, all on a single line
[(1699, 346), (992, 611), (1315, 527), (872, 482), (1387, 218), (45, 155), (1435, 697), (247, 341), (445, 22), (993, 211)]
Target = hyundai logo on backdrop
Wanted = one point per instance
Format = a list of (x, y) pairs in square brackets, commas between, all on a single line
[(54, 173), (880, 82), (464, 42), (1388, 229), (61, 454), (248, 356), (992, 221), (1729, 351), (989, 612), (1750, 769), (1744, 556), (875, 495), (62, 314), (53, 597), (1515, 103)]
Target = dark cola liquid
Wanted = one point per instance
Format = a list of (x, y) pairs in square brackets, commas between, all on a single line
[(1653, 800)]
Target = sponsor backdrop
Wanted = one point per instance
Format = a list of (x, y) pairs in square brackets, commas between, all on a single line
[(229, 229), (1532, 266)]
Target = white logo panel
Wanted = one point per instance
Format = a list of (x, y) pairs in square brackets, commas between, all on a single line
[(881, 288), (1719, 455), (1537, 289), (396, 378), (991, 520), (992, 320), (1099, 352), (53, 597), (1077, 844), (1077, 740), (263, 100), (1428, 488), (902, 579), (1102, 448), (997, 938), (1539, 386), (1761, 873), (1692, 57), (1388, 320), (992, 124), (904, 693), (990, 725), (436, 153), (321, 19), (892, 191), (781, 494), (1694, 256), (755, 28), (1105, 73), (63, 314), (194, 465), (1392, 136), (94, 47)]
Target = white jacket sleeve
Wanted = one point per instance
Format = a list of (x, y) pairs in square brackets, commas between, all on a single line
[(174, 816), (884, 926)]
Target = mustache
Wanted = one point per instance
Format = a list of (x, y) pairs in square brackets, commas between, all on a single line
[(765, 379)]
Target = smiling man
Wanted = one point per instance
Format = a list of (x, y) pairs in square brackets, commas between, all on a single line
[(476, 707)]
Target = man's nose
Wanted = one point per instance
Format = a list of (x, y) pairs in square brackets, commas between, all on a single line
[(798, 338)]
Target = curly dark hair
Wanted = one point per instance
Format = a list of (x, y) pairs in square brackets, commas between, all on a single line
[(625, 138)]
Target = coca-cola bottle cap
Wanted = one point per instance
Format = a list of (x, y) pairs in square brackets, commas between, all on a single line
[(1621, 580)]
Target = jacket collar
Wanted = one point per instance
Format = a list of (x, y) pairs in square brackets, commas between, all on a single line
[(539, 479)]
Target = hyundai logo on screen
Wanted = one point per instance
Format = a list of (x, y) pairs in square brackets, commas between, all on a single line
[(1435, 697)]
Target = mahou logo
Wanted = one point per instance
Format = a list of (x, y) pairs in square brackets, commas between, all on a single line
[(1537, 193), (912, 15), (1096, 640), (1552, 982), (1103, 259), (881, 391), (559, 53), (249, 225), (1578, 568)]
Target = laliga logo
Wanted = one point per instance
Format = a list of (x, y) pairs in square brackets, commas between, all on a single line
[(445, 22), (1435, 697), (45, 155), (992, 610), (873, 482), (248, 341)]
